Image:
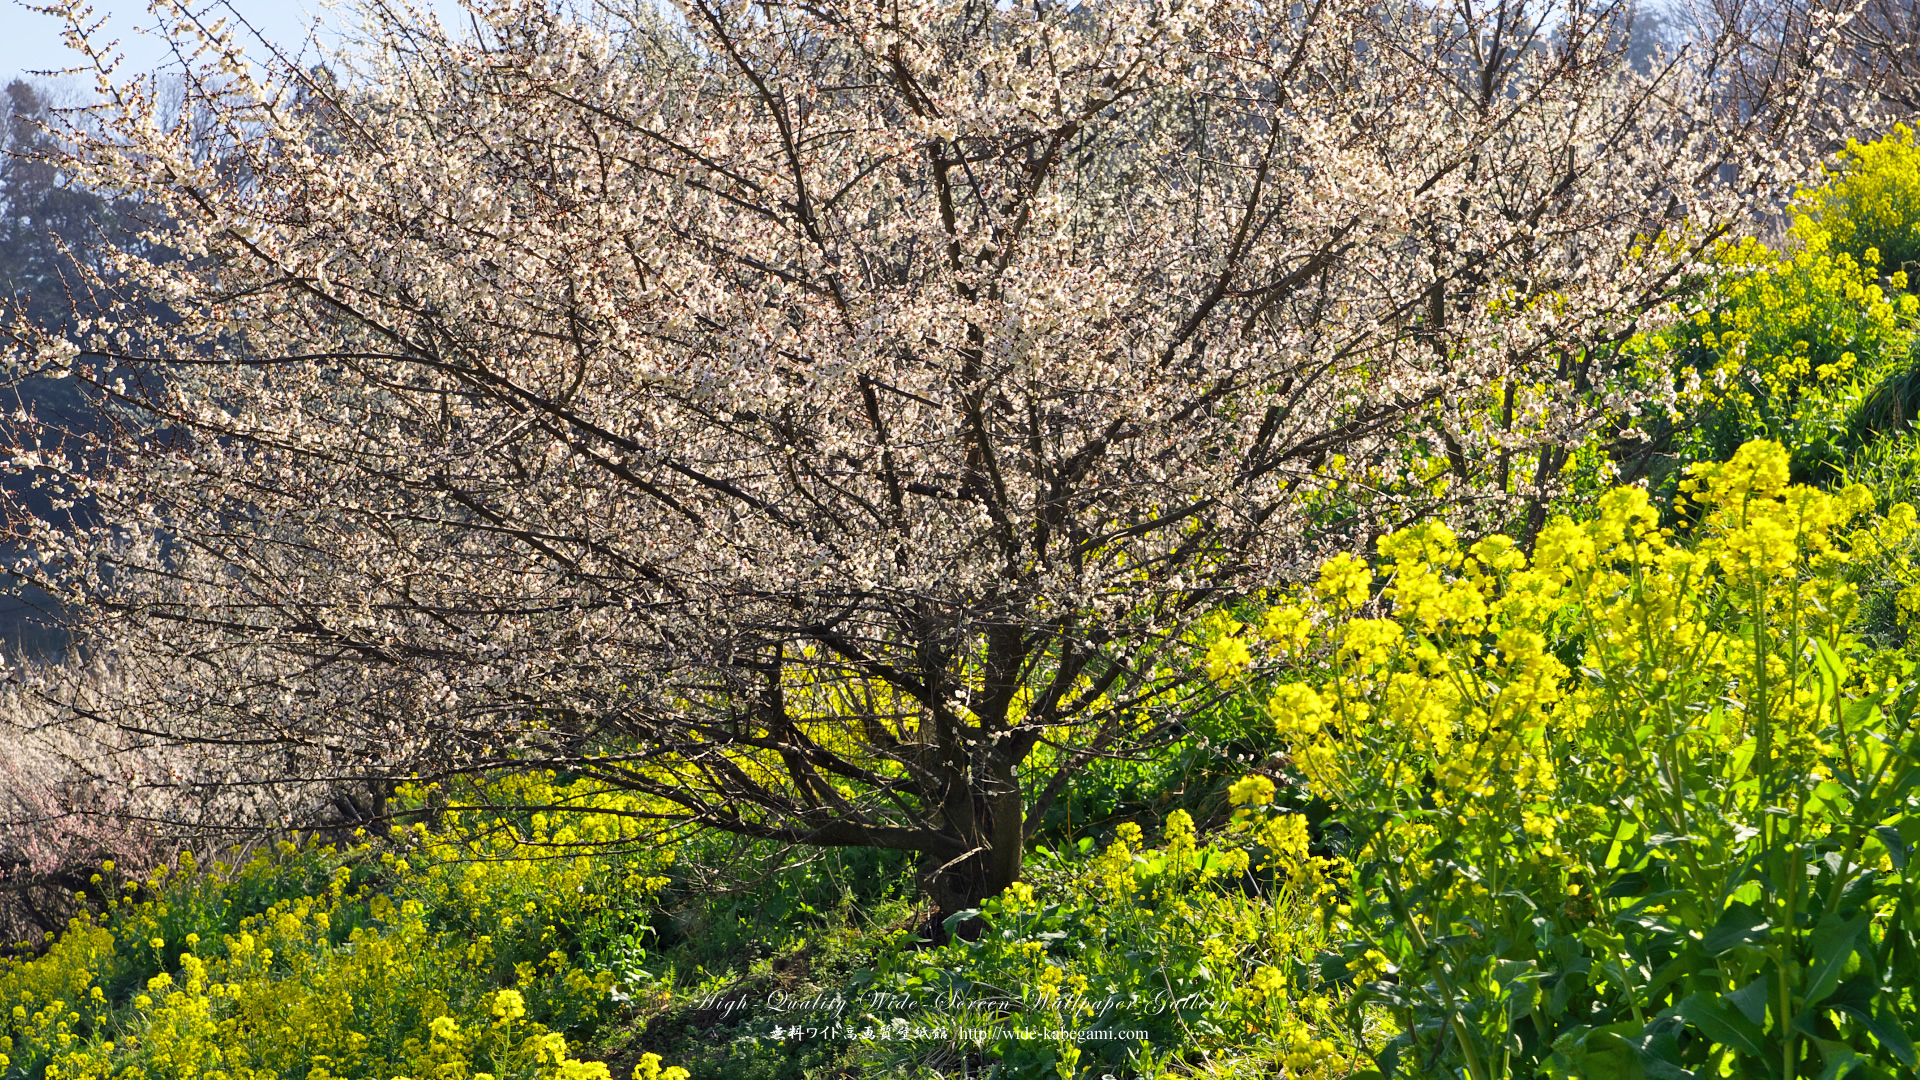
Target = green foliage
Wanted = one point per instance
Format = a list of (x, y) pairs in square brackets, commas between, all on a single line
[(1630, 806), (711, 922), (1190, 772), (1131, 961), (790, 931), (1791, 348)]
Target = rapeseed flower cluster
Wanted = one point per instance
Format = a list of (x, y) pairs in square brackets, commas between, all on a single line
[(1469, 683), (1554, 766), (443, 952), (1809, 344), (1871, 202)]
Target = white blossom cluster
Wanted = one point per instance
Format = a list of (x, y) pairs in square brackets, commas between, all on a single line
[(827, 417)]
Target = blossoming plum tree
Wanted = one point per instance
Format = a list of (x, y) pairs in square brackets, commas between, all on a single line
[(824, 419)]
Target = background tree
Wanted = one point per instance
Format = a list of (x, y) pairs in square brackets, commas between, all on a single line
[(831, 422), (1881, 53), (46, 224), (54, 238)]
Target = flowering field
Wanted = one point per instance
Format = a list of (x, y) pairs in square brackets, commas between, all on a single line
[(733, 611)]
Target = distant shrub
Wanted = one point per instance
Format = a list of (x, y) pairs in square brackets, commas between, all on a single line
[(75, 791)]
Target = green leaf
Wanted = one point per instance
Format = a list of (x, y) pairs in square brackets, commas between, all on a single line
[(1658, 840), (1584, 1053), (1632, 884), (1688, 961), (1659, 1055), (1740, 924), (1621, 835), (1751, 1000), (1826, 792), (954, 920), (1724, 1024), (1832, 946), (1833, 670), (1612, 1063), (1895, 844), (1838, 1057), (1507, 972), (1888, 1034)]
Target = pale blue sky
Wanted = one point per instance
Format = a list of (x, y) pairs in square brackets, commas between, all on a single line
[(29, 40)]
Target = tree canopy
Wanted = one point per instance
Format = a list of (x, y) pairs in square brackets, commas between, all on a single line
[(830, 422)]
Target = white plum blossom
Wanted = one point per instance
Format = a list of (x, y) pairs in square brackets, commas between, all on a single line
[(828, 418)]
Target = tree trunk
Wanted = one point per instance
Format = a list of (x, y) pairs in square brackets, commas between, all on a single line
[(963, 886), (999, 849)]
